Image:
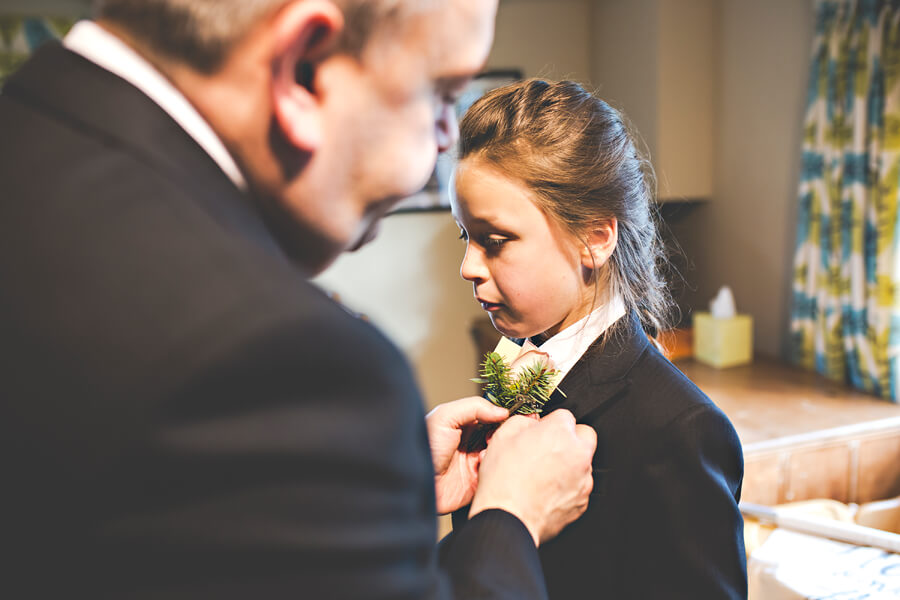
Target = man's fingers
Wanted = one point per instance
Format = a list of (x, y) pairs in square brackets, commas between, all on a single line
[(468, 411), (588, 435), (561, 417), (515, 424), (488, 412), (475, 409), (587, 488)]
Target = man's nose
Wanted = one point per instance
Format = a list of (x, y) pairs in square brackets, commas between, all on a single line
[(446, 128)]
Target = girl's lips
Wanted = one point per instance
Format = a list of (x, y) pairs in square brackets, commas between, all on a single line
[(489, 306)]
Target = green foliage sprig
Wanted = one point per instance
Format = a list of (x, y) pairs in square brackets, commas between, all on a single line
[(524, 394)]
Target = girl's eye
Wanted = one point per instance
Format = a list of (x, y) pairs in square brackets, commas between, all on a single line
[(493, 241), (463, 235)]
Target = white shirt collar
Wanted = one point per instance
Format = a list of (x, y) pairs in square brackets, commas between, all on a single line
[(109, 52), (569, 345)]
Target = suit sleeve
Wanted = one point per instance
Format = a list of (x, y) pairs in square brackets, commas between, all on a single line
[(492, 556), (694, 474), (296, 464)]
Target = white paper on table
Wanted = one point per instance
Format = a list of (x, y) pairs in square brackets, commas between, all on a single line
[(794, 566)]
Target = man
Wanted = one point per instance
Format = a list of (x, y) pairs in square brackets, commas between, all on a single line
[(184, 416)]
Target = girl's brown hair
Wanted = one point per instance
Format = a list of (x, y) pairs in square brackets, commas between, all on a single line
[(576, 154)]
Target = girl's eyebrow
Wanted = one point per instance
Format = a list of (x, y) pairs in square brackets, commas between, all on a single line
[(493, 220), (490, 222), (478, 225)]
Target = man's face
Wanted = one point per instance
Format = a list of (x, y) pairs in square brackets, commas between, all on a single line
[(385, 117)]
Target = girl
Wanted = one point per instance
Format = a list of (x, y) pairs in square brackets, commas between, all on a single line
[(554, 203)]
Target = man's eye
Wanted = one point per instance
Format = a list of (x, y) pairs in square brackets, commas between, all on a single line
[(451, 95)]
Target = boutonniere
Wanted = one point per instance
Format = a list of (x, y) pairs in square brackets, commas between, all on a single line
[(518, 378)]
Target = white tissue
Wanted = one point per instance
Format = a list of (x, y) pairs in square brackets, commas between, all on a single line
[(722, 306)]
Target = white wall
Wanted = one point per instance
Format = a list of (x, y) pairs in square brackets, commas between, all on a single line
[(654, 59), (744, 236), (544, 38)]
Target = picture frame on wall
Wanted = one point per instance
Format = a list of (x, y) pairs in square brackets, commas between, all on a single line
[(435, 196)]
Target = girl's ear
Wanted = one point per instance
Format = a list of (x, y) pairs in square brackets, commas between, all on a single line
[(301, 31), (600, 242)]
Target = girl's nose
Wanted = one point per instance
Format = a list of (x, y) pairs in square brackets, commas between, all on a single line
[(473, 267)]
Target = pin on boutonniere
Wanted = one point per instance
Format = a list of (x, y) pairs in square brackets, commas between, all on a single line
[(518, 378)]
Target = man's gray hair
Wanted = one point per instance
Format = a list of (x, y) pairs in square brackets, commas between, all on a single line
[(200, 33)]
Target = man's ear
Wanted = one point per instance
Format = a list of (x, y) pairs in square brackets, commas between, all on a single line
[(599, 244), (302, 32)]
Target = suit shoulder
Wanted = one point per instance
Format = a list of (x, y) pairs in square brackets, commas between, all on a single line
[(669, 398), (654, 373)]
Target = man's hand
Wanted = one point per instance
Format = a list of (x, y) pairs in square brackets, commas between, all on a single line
[(540, 471), (456, 470)]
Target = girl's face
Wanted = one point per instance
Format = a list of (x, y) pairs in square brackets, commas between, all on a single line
[(526, 270)]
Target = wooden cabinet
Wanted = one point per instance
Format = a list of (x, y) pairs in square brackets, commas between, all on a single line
[(858, 465), (655, 60)]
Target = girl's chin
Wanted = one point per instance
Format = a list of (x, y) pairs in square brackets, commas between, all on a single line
[(511, 330)]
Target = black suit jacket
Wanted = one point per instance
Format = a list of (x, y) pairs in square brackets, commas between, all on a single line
[(183, 414), (663, 520)]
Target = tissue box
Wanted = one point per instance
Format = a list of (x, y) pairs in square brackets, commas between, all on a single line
[(723, 342)]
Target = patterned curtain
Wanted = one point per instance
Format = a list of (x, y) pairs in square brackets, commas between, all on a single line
[(846, 313)]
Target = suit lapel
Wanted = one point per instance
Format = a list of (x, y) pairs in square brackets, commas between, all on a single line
[(602, 374)]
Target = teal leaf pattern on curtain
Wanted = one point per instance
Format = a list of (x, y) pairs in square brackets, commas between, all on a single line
[(845, 320)]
